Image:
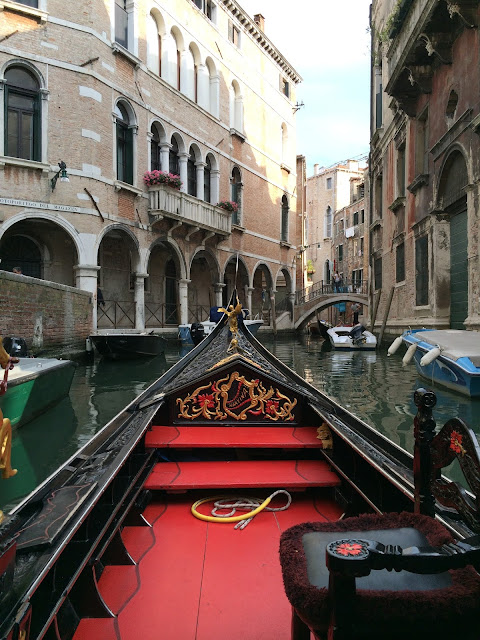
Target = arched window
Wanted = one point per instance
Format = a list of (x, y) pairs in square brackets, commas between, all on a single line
[(124, 130), (191, 76), (207, 191), (154, 46), (236, 107), (22, 126), (214, 86), (284, 138), (236, 193), (284, 226), (176, 68), (173, 164), (20, 251), (191, 174), (328, 223), (155, 160)]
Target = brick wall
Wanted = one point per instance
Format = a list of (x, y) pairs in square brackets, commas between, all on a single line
[(51, 317)]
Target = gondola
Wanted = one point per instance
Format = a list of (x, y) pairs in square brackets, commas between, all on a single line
[(167, 524)]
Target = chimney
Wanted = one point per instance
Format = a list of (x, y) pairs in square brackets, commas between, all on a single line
[(259, 21)]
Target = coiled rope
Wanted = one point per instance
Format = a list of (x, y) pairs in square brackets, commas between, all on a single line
[(252, 505)]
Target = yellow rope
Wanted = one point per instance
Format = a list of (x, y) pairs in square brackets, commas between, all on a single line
[(245, 516)]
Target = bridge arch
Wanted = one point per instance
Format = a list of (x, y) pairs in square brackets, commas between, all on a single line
[(307, 311)]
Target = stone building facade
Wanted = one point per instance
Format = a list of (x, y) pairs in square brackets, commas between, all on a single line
[(94, 95), (328, 191), (425, 163)]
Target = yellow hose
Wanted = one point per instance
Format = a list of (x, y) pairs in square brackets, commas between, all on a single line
[(245, 516)]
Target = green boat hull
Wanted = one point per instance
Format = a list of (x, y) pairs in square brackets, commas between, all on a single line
[(42, 385)]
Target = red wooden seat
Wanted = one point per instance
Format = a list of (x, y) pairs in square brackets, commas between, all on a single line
[(335, 574), (186, 436), (222, 474)]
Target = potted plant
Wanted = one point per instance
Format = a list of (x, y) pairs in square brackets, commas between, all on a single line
[(228, 205), (151, 178)]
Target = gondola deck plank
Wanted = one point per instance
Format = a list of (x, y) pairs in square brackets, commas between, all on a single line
[(230, 579), (241, 474)]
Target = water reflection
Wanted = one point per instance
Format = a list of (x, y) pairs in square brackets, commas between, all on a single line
[(377, 388)]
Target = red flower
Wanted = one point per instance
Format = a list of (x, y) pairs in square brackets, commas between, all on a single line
[(206, 400), (349, 549), (272, 406), (456, 442)]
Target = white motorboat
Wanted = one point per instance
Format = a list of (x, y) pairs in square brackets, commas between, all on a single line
[(193, 333), (356, 337)]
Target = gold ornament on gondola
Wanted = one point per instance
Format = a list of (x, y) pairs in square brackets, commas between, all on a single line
[(236, 397)]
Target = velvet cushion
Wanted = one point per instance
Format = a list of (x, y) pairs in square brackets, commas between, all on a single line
[(448, 603)]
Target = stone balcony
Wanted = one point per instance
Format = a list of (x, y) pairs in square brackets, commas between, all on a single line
[(183, 209)]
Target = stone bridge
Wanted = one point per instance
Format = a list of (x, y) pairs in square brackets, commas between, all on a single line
[(305, 310)]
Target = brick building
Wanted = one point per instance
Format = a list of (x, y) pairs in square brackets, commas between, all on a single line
[(97, 93), (425, 163), (350, 240), (328, 191)]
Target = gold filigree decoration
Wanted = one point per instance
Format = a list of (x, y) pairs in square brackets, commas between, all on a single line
[(236, 397), (325, 435)]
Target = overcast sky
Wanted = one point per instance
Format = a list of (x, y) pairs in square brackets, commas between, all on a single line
[(327, 43)]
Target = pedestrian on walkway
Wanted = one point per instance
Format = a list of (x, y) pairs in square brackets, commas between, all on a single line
[(336, 281), (355, 308)]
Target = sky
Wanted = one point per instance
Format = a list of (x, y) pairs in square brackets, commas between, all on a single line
[(328, 44)]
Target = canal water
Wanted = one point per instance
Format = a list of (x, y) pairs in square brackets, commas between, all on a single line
[(375, 387)]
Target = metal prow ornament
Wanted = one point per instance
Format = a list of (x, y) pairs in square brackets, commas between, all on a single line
[(232, 314)]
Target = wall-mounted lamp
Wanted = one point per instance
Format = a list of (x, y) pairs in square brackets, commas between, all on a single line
[(61, 173)]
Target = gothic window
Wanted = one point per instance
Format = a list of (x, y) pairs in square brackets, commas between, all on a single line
[(173, 164), (236, 193), (284, 227), (124, 135), (22, 126)]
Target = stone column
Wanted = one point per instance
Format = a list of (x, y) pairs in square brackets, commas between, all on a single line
[(218, 289), (291, 303), (200, 177), (214, 186), (250, 291), (183, 299), (86, 278), (140, 300), (164, 156), (182, 162)]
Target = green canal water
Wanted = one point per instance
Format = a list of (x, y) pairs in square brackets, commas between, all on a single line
[(377, 388)]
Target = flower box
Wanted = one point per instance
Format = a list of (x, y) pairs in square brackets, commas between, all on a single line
[(161, 177)]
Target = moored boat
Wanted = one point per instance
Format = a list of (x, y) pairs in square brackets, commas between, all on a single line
[(123, 345), (447, 357), (34, 386), (121, 541), (192, 334), (356, 337)]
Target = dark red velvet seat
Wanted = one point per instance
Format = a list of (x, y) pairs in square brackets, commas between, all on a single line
[(391, 605)]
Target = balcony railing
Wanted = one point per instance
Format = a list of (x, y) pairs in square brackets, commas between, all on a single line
[(166, 202), (328, 288)]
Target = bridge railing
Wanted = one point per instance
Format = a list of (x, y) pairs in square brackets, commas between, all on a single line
[(329, 288)]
